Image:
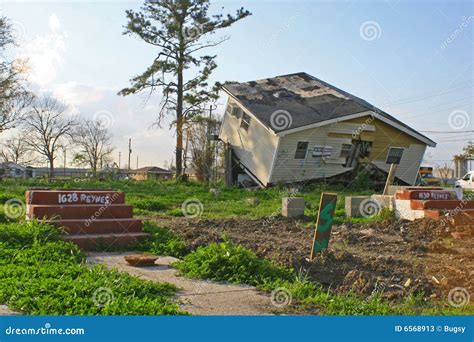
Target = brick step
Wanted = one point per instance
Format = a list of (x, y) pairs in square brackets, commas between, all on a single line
[(426, 195), (100, 226), (441, 204), (92, 242), (74, 197), (80, 211)]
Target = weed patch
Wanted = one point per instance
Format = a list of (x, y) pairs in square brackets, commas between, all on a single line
[(41, 275)]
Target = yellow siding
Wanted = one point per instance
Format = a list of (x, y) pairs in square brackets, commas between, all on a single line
[(382, 135), (385, 136)]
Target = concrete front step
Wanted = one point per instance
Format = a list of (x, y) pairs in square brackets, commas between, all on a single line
[(441, 204), (100, 226), (85, 212), (92, 242), (74, 197)]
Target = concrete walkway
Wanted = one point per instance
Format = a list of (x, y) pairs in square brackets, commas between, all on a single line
[(5, 311), (196, 296)]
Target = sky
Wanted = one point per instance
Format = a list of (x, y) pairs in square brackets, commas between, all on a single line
[(413, 59)]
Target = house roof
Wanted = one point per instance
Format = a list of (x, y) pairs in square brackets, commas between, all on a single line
[(152, 169), (308, 101)]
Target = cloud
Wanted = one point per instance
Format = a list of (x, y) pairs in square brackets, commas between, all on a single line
[(45, 53), (76, 94)]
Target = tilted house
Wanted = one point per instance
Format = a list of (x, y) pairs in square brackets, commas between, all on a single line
[(295, 127)]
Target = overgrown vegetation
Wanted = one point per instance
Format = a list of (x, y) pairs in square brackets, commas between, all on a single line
[(233, 263), (152, 198), (162, 241), (41, 275)]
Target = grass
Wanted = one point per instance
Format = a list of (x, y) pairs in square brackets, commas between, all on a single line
[(229, 262), (151, 198), (41, 275)]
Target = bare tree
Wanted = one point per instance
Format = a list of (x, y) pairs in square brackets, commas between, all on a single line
[(16, 150), (94, 141), (46, 126), (14, 98), (203, 153)]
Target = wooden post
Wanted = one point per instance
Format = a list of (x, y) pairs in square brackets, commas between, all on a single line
[(390, 178), (327, 206)]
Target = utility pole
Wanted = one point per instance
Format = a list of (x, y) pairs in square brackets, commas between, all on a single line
[(137, 161), (64, 167), (129, 152), (120, 157)]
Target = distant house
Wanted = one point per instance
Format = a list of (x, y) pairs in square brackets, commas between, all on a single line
[(60, 172), (15, 170), (296, 127), (150, 172)]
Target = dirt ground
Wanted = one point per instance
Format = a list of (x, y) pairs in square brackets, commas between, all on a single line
[(394, 258)]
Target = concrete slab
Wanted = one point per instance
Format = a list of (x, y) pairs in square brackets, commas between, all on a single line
[(292, 207)]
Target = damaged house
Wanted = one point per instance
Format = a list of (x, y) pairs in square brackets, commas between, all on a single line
[(295, 128)]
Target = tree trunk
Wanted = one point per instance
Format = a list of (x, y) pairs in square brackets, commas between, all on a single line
[(179, 125), (51, 167)]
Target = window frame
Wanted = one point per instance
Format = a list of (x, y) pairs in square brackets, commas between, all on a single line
[(348, 151), (244, 123), (299, 149), (388, 154)]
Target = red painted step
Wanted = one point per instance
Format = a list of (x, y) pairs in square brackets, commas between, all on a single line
[(447, 205), (425, 195), (91, 242), (101, 226), (74, 197), (86, 212)]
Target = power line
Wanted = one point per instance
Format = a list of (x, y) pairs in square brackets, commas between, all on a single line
[(445, 132)]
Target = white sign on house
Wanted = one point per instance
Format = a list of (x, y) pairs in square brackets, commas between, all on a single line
[(322, 151)]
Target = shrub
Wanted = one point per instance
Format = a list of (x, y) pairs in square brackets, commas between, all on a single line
[(226, 261)]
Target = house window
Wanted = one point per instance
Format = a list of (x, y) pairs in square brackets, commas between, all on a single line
[(394, 155), (345, 150), (245, 122), (301, 149)]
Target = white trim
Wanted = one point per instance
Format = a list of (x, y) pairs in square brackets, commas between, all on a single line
[(414, 134), (275, 156)]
